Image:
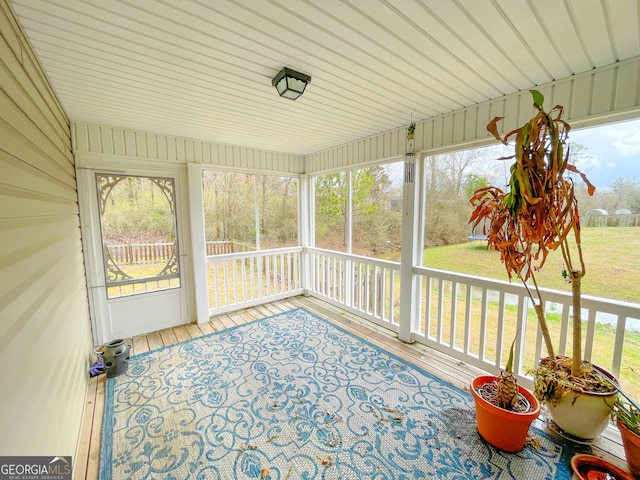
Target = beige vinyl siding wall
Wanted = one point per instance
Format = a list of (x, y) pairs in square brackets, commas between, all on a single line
[(606, 94), (45, 331)]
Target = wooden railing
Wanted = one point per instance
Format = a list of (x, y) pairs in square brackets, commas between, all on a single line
[(470, 318), (240, 280), (476, 319), (367, 286)]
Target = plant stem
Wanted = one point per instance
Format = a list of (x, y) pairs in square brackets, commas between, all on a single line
[(576, 281), (539, 308)]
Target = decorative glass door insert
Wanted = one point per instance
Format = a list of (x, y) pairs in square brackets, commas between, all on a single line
[(139, 241)]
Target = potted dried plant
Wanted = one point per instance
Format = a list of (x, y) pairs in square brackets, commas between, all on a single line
[(501, 400), (539, 214), (627, 415)]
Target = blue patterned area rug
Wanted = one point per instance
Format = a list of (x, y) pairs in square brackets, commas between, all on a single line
[(291, 397)]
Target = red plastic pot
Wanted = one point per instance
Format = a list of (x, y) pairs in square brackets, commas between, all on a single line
[(502, 428), (631, 443)]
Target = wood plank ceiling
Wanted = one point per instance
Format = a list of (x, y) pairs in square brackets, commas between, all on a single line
[(203, 68)]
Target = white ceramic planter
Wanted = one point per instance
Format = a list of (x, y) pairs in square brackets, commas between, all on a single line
[(583, 415)]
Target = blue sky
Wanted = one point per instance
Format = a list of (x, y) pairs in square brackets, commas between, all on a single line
[(612, 151)]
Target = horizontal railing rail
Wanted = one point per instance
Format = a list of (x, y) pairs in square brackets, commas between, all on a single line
[(240, 280), (476, 319), (367, 286)]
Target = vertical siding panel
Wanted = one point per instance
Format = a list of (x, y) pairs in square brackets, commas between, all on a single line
[(394, 143), (150, 145), (561, 92), (484, 116), (41, 265), (181, 150), (525, 107), (360, 151), (82, 137), (603, 95), (438, 132), (130, 143), (198, 152), (161, 144), (189, 151), (386, 152), (427, 133), (380, 146), (265, 160), (471, 124), (254, 160), (172, 149), (581, 98), (106, 140), (215, 154), (512, 110), (118, 142), (366, 148), (626, 89), (206, 153), (447, 130), (225, 155), (458, 126), (241, 153), (94, 139), (141, 144), (496, 109)]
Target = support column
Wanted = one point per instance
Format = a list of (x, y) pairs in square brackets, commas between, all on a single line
[(306, 232), (198, 246), (411, 249)]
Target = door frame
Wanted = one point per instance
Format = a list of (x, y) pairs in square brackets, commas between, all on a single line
[(99, 305)]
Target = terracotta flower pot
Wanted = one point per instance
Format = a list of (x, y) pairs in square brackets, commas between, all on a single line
[(588, 467), (502, 428), (631, 443)]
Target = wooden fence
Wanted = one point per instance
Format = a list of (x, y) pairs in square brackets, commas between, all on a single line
[(146, 253), (612, 220), (141, 253)]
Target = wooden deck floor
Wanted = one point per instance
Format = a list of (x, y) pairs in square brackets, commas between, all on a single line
[(87, 460)]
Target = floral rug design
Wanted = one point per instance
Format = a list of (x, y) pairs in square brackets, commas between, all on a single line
[(293, 396)]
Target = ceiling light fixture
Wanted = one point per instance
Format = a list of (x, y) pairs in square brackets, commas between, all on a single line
[(289, 83)]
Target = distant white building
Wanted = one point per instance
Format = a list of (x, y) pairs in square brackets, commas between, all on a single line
[(596, 211)]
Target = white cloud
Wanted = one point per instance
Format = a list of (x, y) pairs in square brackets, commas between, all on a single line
[(611, 165), (627, 142), (587, 163)]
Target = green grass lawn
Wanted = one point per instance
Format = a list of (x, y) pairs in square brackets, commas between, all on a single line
[(611, 255), (612, 260)]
